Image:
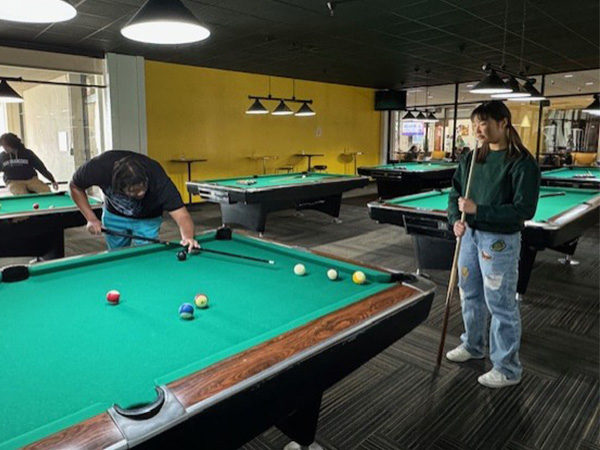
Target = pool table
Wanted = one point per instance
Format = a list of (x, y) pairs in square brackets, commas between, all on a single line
[(78, 372), (562, 215), (579, 177), (25, 231), (246, 201), (406, 178)]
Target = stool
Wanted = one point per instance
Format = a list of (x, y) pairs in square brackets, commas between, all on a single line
[(319, 168), (288, 169)]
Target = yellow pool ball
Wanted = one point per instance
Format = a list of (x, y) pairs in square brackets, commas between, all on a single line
[(201, 301), (332, 274), (299, 269), (359, 277)]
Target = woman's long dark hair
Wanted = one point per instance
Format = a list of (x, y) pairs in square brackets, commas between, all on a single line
[(497, 110), (12, 140)]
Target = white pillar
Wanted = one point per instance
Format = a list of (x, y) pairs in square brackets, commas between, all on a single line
[(127, 103)]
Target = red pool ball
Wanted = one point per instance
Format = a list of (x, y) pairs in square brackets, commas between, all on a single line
[(36, 206), (113, 297)]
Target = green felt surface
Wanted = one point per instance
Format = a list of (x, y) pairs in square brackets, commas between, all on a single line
[(570, 172), (12, 204), (266, 181), (68, 355), (417, 166), (547, 206)]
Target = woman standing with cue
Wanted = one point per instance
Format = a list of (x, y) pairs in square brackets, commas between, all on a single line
[(504, 191)]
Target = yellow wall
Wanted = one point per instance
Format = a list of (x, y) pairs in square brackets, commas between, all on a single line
[(198, 112)]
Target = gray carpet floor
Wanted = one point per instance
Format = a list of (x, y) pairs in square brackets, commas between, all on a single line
[(397, 401)]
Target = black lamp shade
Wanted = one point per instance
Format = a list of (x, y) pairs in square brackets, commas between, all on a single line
[(491, 84), (534, 94), (164, 22), (282, 110), (421, 116), (517, 90), (257, 108), (8, 94), (305, 111), (594, 107), (408, 116)]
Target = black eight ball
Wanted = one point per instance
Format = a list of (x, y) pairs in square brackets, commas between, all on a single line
[(181, 255)]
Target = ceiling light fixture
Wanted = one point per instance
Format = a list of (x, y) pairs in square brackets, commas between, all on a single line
[(305, 111), (282, 109), (535, 95), (491, 84), (431, 118), (594, 107), (257, 108), (8, 94), (517, 90), (36, 11), (165, 22), (409, 116)]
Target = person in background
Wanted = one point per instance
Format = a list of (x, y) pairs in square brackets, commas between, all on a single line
[(137, 191), (20, 166), (412, 154), (504, 194)]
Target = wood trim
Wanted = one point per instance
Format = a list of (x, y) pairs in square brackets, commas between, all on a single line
[(98, 432)]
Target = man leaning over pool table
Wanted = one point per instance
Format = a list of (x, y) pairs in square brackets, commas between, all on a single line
[(137, 191)]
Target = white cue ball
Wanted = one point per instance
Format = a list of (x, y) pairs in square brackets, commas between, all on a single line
[(332, 274), (299, 269)]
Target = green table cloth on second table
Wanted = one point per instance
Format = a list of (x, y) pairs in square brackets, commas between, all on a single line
[(247, 200), (562, 215), (406, 178)]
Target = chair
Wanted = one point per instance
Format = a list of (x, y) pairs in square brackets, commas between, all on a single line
[(319, 168), (584, 159), (438, 154)]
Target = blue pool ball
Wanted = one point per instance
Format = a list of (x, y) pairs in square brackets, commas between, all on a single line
[(186, 311)]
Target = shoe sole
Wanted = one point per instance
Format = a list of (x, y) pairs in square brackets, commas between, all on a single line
[(498, 386)]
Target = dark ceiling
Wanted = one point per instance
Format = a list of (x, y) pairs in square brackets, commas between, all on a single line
[(375, 43)]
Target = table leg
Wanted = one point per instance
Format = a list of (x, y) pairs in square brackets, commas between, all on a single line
[(264, 160), (309, 159)]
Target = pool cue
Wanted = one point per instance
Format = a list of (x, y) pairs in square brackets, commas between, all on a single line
[(454, 270), (173, 244)]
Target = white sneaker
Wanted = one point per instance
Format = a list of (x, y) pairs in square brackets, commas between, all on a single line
[(460, 354), (495, 379)]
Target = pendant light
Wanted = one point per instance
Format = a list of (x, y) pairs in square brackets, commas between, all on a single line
[(517, 90), (164, 22), (594, 107), (491, 84), (408, 116), (305, 111), (8, 94), (257, 108), (282, 110), (534, 94), (36, 11)]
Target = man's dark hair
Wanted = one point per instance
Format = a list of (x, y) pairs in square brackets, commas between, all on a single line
[(127, 172)]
